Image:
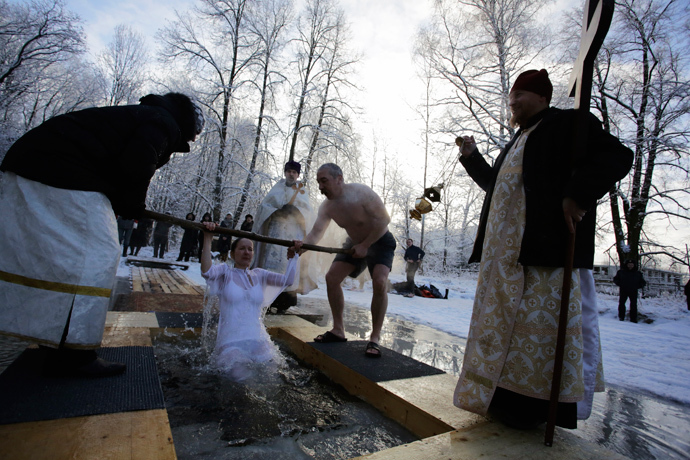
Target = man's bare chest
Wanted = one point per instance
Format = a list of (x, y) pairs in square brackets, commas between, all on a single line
[(349, 215)]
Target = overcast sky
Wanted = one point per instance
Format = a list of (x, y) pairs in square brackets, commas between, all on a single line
[(382, 31)]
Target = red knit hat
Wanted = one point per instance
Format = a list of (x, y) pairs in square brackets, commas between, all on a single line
[(536, 81)]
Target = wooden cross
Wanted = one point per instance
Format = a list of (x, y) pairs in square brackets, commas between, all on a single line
[(299, 189), (595, 25)]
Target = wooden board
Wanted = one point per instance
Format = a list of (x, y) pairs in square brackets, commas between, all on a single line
[(139, 435), (495, 441), (163, 281)]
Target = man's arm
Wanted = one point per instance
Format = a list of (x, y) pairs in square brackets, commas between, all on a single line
[(604, 162), (319, 227), (476, 166)]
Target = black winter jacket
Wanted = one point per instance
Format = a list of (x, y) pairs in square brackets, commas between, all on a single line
[(113, 150), (414, 252), (548, 179), (629, 280)]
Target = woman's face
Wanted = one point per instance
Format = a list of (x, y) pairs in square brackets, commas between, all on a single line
[(243, 253)]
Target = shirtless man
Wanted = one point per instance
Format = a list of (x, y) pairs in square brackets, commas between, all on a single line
[(360, 212)]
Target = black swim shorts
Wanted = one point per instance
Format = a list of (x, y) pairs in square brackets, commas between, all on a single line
[(381, 252)]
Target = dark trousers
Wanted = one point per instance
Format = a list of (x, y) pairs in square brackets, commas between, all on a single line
[(159, 246), (185, 255), (624, 296), (66, 357), (410, 270), (520, 411), (125, 234)]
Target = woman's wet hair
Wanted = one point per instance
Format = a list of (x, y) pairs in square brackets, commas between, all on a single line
[(234, 243)]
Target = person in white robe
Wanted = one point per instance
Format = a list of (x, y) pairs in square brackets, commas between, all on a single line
[(286, 213)]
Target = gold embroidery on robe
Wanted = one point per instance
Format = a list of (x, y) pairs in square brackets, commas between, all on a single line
[(514, 322)]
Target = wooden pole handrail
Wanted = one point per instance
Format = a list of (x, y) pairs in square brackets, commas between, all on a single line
[(239, 233)]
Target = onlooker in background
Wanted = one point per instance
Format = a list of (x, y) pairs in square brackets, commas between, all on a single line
[(73, 174), (200, 235), (140, 236), (224, 241), (629, 279), (687, 293), (413, 258), (125, 227), (248, 223), (160, 239), (189, 240)]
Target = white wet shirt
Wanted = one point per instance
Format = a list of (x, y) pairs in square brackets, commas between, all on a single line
[(244, 295)]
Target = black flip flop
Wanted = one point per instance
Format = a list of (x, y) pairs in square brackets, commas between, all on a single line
[(373, 346), (329, 337)]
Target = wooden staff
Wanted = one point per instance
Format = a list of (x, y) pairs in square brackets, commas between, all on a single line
[(595, 25), (240, 233)]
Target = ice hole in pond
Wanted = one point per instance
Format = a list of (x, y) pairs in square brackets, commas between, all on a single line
[(283, 409)]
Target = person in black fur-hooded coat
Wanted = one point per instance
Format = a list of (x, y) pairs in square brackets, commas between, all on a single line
[(63, 183)]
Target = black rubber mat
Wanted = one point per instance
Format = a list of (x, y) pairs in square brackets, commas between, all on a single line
[(180, 320), (390, 366), (27, 396)]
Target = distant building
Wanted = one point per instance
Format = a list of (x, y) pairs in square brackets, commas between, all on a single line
[(658, 281)]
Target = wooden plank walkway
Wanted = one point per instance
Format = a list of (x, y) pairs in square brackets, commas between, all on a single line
[(163, 281)]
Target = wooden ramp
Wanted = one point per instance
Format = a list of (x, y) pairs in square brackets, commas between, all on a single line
[(163, 281), (424, 405)]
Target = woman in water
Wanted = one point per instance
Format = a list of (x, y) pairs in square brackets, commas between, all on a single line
[(243, 295)]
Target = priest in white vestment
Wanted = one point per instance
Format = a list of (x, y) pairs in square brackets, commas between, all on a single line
[(535, 195), (286, 213)]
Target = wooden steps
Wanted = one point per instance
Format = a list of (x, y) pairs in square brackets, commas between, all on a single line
[(163, 281)]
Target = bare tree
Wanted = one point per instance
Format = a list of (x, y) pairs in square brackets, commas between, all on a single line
[(477, 47), (322, 64), (313, 26), (268, 24), (214, 46), (332, 130), (61, 88), (34, 37), (645, 95), (122, 67)]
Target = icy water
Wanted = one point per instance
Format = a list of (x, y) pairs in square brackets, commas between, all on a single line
[(286, 412)]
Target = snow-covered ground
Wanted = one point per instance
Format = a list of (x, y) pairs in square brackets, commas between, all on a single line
[(651, 357)]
